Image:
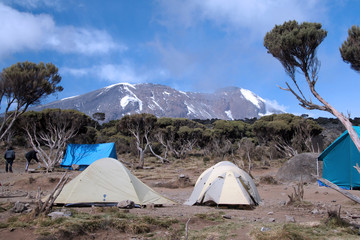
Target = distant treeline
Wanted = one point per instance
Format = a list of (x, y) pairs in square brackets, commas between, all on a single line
[(266, 138)]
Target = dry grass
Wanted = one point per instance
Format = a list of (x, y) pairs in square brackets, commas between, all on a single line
[(80, 223), (268, 180), (301, 232), (298, 194)]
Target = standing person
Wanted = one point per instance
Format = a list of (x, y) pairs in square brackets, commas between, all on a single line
[(9, 157), (29, 156)]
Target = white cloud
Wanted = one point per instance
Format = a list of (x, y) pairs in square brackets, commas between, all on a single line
[(177, 62), (119, 73), (33, 4), (113, 73), (80, 40), (274, 105), (77, 72), (21, 31), (254, 15)]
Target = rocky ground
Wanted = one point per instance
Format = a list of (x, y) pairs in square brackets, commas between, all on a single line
[(273, 211)]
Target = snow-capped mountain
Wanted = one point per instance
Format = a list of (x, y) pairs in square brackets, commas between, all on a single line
[(120, 99)]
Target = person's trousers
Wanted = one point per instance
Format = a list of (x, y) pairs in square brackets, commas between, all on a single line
[(28, 163), (9, 163)]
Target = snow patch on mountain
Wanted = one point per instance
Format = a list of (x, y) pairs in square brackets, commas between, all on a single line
[(158, 105), (250, 96), (67, 98), (118, 84), (228, 113), (134, 98), (190, 109), (183, 93)]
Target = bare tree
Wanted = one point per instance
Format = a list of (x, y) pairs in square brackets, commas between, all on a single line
[(220, 146), (139, 126), (49, 131), (25, 84), (284, 147), (163, 159), (294, 45), (159, 136), (248, 146)]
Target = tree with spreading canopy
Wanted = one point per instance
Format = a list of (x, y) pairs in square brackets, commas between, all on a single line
[(287, 133), (98, 116), (178, 135), (25, 84), (350, 49), (294, 45)]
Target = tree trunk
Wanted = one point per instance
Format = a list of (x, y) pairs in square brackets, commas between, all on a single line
[(141, 158), (344, 120), (343, 192), (163, 160)]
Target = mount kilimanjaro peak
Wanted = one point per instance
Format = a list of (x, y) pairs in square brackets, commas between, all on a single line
[(121, 99)]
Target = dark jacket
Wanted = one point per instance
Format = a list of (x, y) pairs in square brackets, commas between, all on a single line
[(31, 155), (9, 154)]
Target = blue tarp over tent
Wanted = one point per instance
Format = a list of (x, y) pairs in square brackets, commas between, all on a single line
[(85, 154), (339, 162)]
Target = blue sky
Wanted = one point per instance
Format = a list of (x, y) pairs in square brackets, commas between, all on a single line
[(190, 45)]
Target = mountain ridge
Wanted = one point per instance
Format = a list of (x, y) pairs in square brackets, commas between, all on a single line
[(119, 99)]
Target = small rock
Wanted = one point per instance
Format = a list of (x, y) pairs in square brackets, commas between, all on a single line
[(315, 211), (325, 193), (316, 192), (265, 229), (226, 216), (75, 167), (55, 215), (126, 204), (66, 212), (19, 207), (333, 200), (28, 210), (282, 203), (289, 219), (271, 219), (270, 213), (181, 176)]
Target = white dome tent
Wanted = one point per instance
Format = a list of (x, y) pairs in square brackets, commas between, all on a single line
[(224, 184)]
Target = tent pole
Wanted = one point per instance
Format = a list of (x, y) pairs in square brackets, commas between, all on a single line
[(317, 167)]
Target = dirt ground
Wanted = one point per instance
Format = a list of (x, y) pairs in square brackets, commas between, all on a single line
[(21, 186)]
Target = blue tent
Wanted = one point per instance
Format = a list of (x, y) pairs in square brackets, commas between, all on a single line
[(85, 154), (340, 160)]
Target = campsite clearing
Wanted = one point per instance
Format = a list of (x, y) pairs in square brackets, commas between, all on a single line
[(273, 216)]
